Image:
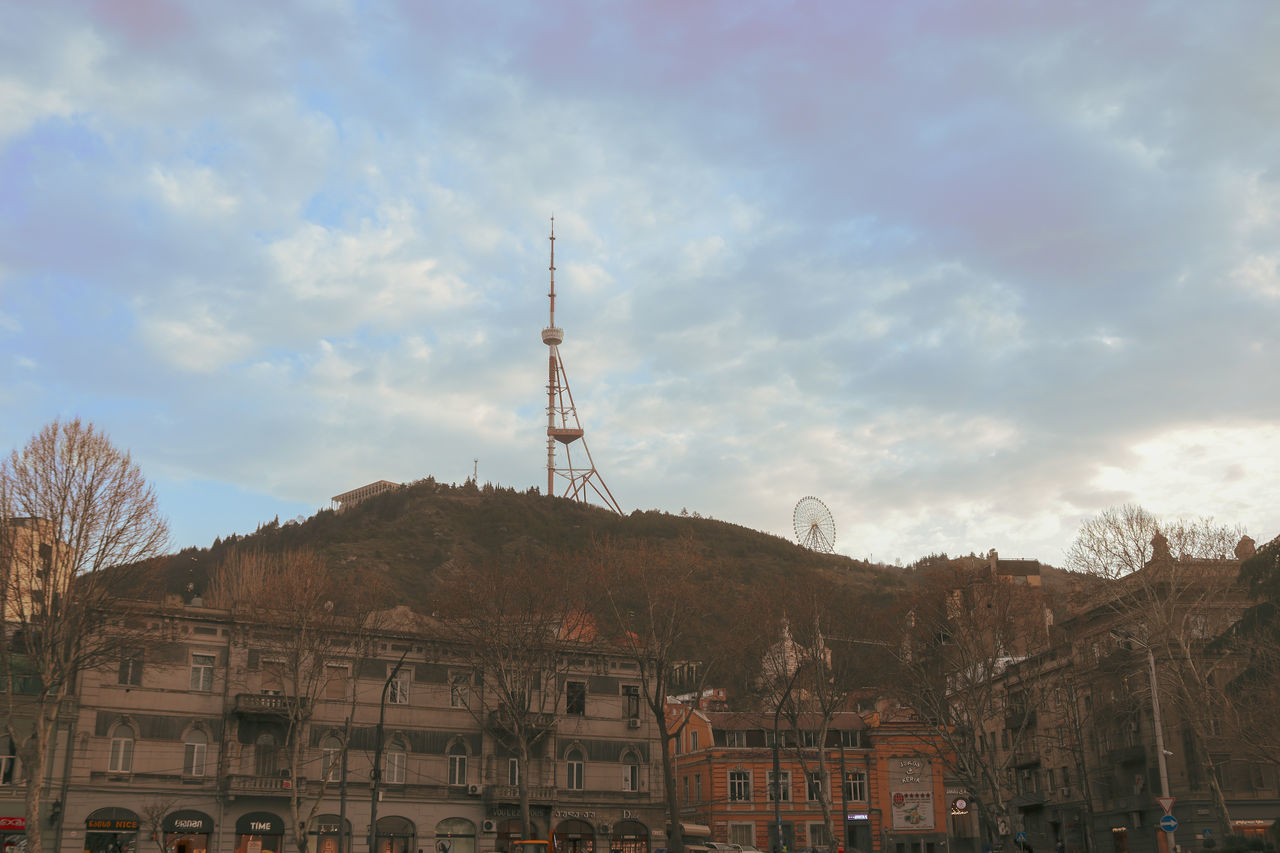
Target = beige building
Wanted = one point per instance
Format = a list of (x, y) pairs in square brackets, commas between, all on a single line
[(184, 747)]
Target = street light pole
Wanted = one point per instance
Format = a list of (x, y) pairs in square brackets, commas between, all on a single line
[(1155, 718)]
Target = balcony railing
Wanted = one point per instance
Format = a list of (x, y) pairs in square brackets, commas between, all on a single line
[(264, 786), (1028, 799), (267, 705)]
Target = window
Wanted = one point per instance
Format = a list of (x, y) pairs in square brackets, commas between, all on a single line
[(686, 788), (808, 738), (697, 787), (742, 834), (459, 691), (739, 786), (575, 697), (693, 740), (457, 764), (818, 835), (266, 755), (780, 792), (630, 772), (130, 669), (735, 739), (202, 672), (851, 739), (855, 785), (573, 770), (335, 684), (398, 689), (193, 754), (393, 761), (331, 751), (121, 750), (814, 789), (513, 772), (631, 694), (6, 769)]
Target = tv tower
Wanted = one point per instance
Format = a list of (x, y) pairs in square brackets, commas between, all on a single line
[(562, 417)]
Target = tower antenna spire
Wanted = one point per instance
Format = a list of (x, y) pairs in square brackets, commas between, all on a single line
[(563, 426)]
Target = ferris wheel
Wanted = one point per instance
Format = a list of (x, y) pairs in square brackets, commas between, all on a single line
[(815, 528)]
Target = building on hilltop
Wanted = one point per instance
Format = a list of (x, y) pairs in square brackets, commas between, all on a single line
[(346, 500)]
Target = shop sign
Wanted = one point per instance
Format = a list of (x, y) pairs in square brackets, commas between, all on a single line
[(575, 813), (13, 824), (112, 825), (911, 797), (188, 821)]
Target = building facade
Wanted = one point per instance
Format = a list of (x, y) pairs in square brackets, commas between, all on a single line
[(189, 743), (883, 782)]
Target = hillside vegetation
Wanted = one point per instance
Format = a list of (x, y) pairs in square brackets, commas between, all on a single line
[(404, 536)]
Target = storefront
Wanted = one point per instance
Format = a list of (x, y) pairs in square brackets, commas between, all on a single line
[(13, 833), (259, 832), (913, 817), (187, 831), (396, 835), (329, 835), (575, 836), (111, 830), (455, 835), (629, 836)]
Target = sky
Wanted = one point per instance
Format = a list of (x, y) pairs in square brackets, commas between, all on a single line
[(968, 272)]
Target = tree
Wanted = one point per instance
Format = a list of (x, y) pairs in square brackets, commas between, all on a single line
[(308, 629), (72, 507), (520, 622), (1173, 586), (964, 628), (810, 674), (653, 610), (1253, 716)]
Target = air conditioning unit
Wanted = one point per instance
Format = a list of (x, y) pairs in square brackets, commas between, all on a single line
[(475, 790), (489, 826), (633, 723)]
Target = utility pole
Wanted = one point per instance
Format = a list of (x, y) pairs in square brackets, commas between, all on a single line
[(1155, 719)]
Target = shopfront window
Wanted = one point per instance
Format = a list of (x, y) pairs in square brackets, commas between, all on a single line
[(187, 831), (575, 836), (328, 834), (396, 835), (259, 832), (111, 830), (455, 835)]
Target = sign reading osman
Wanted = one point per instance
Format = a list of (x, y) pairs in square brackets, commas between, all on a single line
[(911, 793)]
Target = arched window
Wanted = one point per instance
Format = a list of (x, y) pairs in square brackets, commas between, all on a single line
[(573, 770), (630, 771), (457, 764), (266, 755), (121, 750), (331, 750), (194, 752), (393, 761)]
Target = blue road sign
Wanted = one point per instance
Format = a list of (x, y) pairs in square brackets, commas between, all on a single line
[(1168, 823), (1021, 838), (1208, 833)]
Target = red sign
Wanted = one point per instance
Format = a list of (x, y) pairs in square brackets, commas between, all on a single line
[(899, 799), (13, 823), (1166, 803)]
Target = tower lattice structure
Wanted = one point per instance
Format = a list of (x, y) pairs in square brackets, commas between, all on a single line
[(563, 426)]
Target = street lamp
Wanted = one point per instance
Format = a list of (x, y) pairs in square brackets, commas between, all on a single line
[(1161, 752)]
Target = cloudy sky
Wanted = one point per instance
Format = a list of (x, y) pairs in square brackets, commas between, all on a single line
[(967, 271)]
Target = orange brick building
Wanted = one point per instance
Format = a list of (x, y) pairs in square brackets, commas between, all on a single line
[(884, 783)]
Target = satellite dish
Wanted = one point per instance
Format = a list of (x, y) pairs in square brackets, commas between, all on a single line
[(815, 528)]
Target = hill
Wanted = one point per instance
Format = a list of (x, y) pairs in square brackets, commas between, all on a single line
[(404, 536)]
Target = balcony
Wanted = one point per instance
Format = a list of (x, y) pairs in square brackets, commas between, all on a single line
[(1127, 754), (1028, 800), (263, 705), (539, 795), (1019, 719), (1025, 756), (262, 786)]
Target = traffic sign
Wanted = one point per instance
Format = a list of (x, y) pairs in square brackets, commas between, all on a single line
[(1208, 833), (1022, 837), (1166, 803), (1168, 823)]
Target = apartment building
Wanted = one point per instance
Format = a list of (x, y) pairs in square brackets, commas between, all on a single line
[(883, 782), (1088, 765), (185, 745)]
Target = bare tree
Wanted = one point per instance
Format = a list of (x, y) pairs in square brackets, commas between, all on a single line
[(72, 506), (653, 610), (521, 622), (963, 629), (308, 630), (151, 815), (1175, 585)]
